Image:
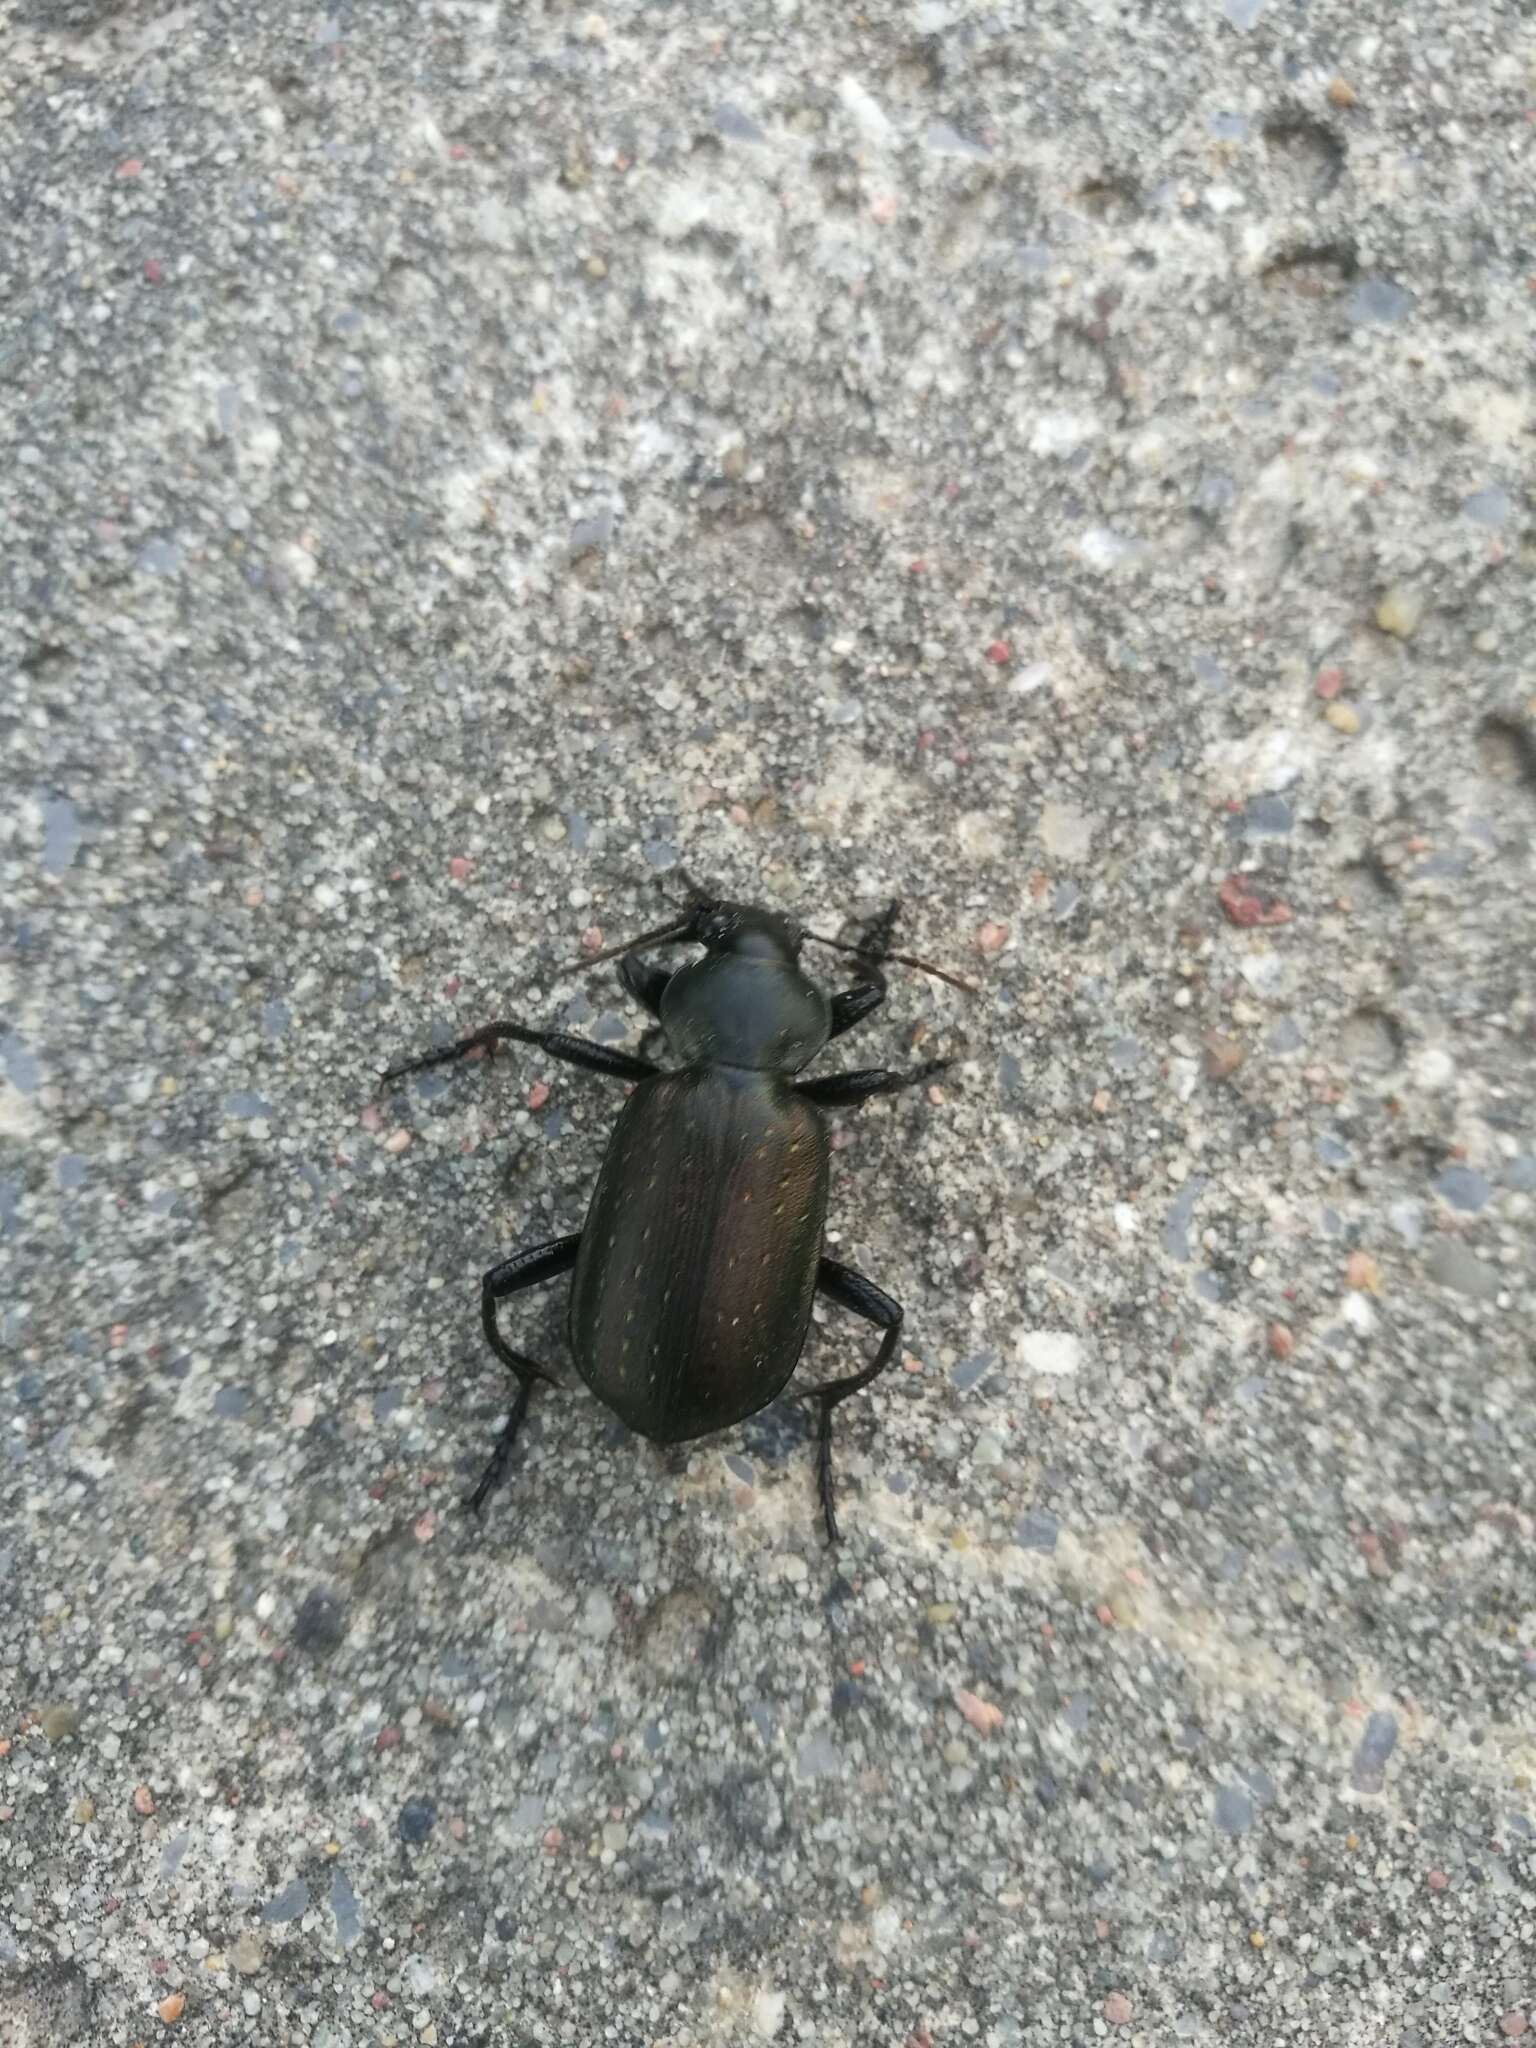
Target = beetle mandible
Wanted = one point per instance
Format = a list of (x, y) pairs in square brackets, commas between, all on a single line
[(701, 1254)]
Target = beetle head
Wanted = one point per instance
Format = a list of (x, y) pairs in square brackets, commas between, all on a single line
[(744, 932), (746, 1003)]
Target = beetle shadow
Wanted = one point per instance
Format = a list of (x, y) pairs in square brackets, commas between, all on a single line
[(777, 1433)]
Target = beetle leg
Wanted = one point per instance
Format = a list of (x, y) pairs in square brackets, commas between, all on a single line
[(644, 982), (528, 1268), (560, 1045), (850, 1290), (842, 1091), (854, 1004)]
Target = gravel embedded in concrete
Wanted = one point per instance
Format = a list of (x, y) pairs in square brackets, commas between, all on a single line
[(1067, 467)]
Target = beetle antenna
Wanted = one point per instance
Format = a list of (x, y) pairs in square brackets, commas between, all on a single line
[(906, 959), (675, 930)]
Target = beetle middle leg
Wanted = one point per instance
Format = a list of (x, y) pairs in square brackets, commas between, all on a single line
[(528, 1268), (559, 1045), (842, 1091), (850, 1290)]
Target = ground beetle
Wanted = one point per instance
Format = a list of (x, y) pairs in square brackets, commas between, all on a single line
[(702, 1250)]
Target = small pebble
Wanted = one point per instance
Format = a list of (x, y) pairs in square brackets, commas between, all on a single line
[(1117, 2009), (60, 1722), (982, 1715), (1281, 1341), (1362, 1273), (1343, 718), (1400, 611), (82, 1811), (991, 938), (1341, 93), (1223, 1056), (417, 1819), (143, 1801), (397, 1141), (171, 2009)]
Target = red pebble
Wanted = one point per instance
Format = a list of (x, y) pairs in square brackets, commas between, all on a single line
[(388, 1738), (999, 652), (1246, 905), (130, 167), (538, 1095), (1437, 1880), (152, 271), (459, 867), (1329, 682)]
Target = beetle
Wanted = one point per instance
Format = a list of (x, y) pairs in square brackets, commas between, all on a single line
[(693, 1276)]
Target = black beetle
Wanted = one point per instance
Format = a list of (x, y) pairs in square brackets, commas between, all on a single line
[(702, 1249)]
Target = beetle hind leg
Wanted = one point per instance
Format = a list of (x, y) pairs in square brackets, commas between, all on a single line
[(850, 1290), (524, 1269)]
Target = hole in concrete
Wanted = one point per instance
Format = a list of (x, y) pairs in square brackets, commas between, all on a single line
[(1506, 751), (1372, 1040), (1109, 198), (1368, 882), (1314, 270), (1306, 152)]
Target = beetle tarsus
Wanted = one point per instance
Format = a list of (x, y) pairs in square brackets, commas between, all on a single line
[(501, 1457), (849, 1289), (824, 1472), (528, 1268)]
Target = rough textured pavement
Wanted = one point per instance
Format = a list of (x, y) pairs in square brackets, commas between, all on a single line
[(1068, 465)]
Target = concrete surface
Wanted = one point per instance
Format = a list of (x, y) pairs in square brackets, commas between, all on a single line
[(1045, 461)]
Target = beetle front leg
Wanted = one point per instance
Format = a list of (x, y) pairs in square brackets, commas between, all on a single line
[(559, 1045), (850, 1290), (644, 982), (528, 1268), (854, 1004), (842, 1091)]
